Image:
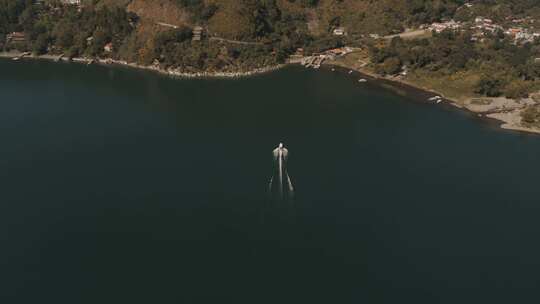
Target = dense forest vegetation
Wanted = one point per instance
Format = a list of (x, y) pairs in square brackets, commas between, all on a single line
[(65, 27), (51, 26)]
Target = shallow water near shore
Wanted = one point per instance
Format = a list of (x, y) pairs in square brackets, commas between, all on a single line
[(124, 186)]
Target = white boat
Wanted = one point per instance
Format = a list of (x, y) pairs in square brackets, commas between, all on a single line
[(362, 80), (434, 98)]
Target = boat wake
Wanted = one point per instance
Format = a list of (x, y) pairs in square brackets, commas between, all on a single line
[(280, 186)]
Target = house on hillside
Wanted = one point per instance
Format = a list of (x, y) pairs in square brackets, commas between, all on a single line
[(197, 33), (442, 26), (108, 48), (339, 31), (482, 20), (16, 37), (514, 31), (71, 2)]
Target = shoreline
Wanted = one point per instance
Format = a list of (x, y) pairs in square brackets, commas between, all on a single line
[(506, 120), (177, 73)]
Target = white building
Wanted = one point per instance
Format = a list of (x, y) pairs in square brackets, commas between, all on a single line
[(340, 31), (108, 47), (439, 27), (71, 2)]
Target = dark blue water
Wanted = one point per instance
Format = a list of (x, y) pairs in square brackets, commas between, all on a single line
[(120, 186)]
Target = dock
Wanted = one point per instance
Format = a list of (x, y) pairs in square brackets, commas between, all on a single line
[(317, 60), (313, 61)]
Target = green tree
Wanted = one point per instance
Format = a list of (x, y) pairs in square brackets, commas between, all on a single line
[(517, 89), (390, 66), (531, 115), (40, 45), (490, 85)]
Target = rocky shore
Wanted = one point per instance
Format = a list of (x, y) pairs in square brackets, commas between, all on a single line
[(169, 72), (506, 111), (181, 74)]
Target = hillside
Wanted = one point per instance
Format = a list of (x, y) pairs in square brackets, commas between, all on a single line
[(244, 18), (235, 34)]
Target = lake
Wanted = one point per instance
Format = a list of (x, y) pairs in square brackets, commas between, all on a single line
[(124, 186)]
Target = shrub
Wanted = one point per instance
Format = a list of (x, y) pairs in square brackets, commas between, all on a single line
[(517, 89), (531, 115), (490, 85)]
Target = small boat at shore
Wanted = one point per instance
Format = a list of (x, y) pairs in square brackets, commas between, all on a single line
[(362, 80), (350, 72), (435, 98)]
